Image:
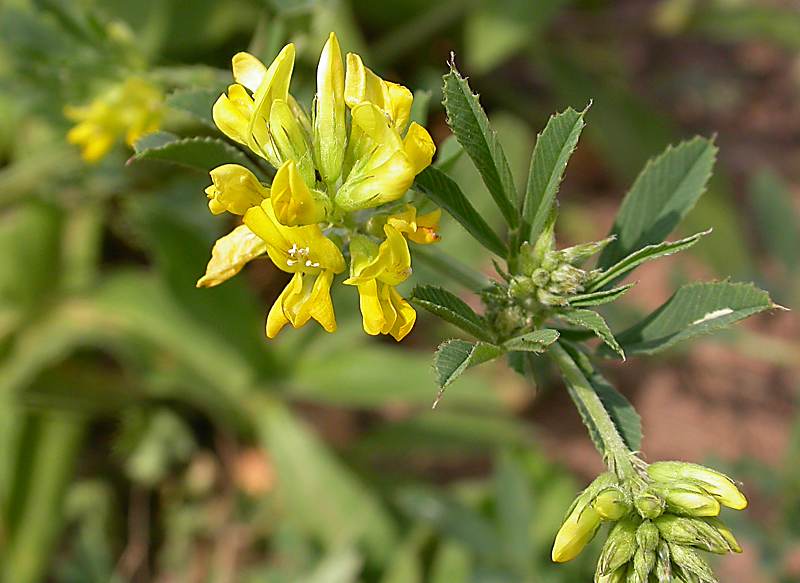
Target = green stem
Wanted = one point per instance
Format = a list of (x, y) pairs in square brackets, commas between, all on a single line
[(617, 454)]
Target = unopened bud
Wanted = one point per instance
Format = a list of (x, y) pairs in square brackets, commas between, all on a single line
[(578, 529), (692, 565), (547, 298), (725, 532), (540, 277), (649, 504), (692, 532), (643, 563), (522, 287), (579, 253), (663, 568), (618, 548), (611, 503), (581, 523), (715, 483), (617, 576), (689, 499), (647, 536)]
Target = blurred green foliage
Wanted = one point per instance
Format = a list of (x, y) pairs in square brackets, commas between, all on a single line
[(148, 432)]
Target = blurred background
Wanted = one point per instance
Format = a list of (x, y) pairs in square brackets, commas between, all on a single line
[(149, 432)]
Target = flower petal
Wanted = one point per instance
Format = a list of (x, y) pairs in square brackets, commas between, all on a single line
[(293, 202), (235, 189), (406, 316), (419, 147), (248, 71), (230, 254)]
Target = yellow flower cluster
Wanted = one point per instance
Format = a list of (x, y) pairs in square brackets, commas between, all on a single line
[(330, 170), (130, 110)]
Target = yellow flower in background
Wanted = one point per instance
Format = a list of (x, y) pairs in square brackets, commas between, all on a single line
[(358, 151), (376, 270), (129, 111)]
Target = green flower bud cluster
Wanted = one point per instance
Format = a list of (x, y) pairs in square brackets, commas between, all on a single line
[(659, 521), (544, 280)]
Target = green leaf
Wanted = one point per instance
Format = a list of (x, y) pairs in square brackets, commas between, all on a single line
[(453, 357), (599, 297), (448, 153), (309, 471), (442, 190), (663, 193), (451, 308), (694, 310), (514, 509), (776, 218), (452, 519), (199, 153), (635, 259), (554, 146), (469, 123), (420, 106), (536, 341), (195, 102), (593, 321), (442, 264)]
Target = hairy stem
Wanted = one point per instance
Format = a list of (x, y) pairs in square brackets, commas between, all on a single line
[(617, 455)]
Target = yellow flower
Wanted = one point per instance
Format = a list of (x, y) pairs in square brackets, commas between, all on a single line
[(230, 254), (326, 168), (376, 270), (383, 164), (245, 119), (361, 84), (312, 258), (235, 189), (128, 111), (293, 202), (422, 229)]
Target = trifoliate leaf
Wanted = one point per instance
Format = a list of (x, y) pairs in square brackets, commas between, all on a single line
[(663, 193), (451, 308), (453, 357), (694, 310), (469, 123)]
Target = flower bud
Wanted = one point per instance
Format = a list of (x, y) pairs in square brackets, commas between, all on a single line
[(691, 565), (663, 568), (725, 532), (618, 548), (330, 137), (577, 531), (579, 253), (617, 576), (649, 504), (611, 503), (567, 279), (692, 532), (647, 536), (235, 189), (688, 499), (290, 140), (643, 563), (715, 483), (293, 202)]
